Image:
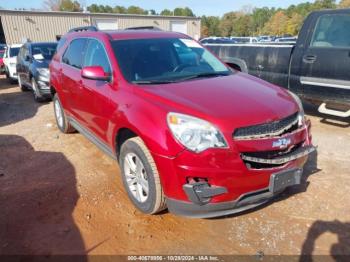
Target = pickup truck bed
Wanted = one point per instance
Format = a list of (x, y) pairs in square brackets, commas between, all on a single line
[(316, 67)]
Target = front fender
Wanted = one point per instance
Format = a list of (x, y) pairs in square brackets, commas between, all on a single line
[(146, 119)]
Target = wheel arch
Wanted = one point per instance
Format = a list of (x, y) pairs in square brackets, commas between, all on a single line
[(236, 63), (122, 135)]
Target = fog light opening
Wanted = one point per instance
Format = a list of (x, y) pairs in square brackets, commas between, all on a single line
[(193, 180)]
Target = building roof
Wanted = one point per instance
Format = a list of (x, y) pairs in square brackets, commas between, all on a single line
[(40, 12)]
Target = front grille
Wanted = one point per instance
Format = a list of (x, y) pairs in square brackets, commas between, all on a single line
[(268, 155), (272, 129)]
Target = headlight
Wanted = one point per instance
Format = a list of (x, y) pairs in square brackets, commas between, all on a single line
[(43, 71), (195, 134), (301, 108)]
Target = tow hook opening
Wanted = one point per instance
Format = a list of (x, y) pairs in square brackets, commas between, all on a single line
[(200, 192)]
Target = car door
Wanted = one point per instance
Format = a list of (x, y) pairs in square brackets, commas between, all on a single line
[(20, 60), (72, 60), (95, 102), (25, 64), (325, 62)]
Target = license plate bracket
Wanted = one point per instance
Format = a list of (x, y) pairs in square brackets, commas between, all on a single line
[(280, 181)]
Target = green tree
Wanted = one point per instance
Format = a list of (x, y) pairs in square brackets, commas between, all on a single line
[(344, 4), (277, 24), (119, 9), (294, 24), (166, 12), (136, 10), (260, 17), (210, 26), (179, 11), (70, 6), (153, 12), (93, 8), (324, 4), (227, 24), (243, 26)]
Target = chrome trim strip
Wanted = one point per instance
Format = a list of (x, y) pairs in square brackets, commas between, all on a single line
[(253, 45), (281, 160), (314, 81)]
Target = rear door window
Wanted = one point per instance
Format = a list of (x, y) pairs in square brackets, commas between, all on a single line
[(14, 51), (95, 55), (332, 31), (75, 53)]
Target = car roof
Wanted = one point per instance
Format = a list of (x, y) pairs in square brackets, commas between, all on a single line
[(15, 45), (129, 34), (41, 43)]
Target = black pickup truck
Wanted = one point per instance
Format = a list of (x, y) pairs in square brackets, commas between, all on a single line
[(317, 67)]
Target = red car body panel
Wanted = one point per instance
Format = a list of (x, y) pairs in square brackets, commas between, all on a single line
[(228, 102), (1, 59)]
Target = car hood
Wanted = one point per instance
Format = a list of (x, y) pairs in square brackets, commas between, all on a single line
[(41, 63), (236, 100), (12, 59)]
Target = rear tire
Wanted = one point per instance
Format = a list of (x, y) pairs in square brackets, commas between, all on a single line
[(12, 81), (140, 177), (61, 119)]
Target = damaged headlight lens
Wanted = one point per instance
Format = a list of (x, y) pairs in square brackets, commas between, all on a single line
[(43, 71), (195, 134), (301, 117)]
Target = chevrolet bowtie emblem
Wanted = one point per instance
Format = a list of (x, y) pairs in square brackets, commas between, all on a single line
[(282, 143)]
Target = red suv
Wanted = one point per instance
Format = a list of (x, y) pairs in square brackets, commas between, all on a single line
[(190, 134)]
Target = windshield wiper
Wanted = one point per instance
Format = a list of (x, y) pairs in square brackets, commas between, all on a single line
[(152, 82), (207, 74)]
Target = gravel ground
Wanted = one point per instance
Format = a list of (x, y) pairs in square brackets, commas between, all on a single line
[(60, 195)]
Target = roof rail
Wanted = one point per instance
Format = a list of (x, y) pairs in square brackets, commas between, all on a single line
[(144, 28), (83, 28)]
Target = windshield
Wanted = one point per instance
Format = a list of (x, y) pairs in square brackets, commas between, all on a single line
[(44, 51), (163, 60), (14, 51)]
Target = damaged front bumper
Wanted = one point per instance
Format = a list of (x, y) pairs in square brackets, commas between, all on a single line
[(201, 194)]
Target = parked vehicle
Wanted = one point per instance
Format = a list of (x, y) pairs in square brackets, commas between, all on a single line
[(33, 68), (10, 59), (265, 38), (292, 40), (2, 66), (217, 40), (315, 68), (188, 132), (244, 40)]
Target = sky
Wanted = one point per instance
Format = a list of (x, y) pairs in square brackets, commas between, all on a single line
[(199, 7)]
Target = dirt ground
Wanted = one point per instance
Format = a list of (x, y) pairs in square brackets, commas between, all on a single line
[(59, 194)]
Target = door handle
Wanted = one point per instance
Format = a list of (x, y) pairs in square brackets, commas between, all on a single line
[(309, 58)]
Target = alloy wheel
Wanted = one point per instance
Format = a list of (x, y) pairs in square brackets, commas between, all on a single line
[(136, 177), (58, 113)]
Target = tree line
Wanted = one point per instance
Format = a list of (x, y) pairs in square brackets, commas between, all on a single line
[(249, 21), (265, 21), (76, 6)]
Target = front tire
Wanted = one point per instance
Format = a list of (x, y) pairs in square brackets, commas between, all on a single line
[(20, 84), (61, 119), (140, 177), (36, 93)]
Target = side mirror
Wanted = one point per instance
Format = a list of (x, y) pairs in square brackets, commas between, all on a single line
[(27, 58), (95, 73)]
